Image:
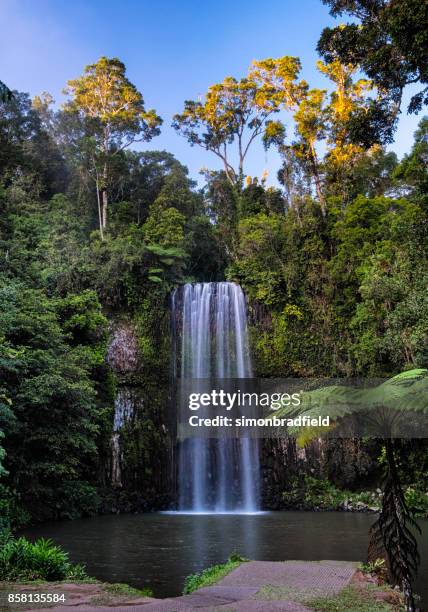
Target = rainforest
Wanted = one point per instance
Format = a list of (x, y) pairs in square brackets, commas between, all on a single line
[(122, 273)]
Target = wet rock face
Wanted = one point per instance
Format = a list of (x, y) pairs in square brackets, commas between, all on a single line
[(122, 357), (124, 406), (116, 460), (127, 399), (122, 354)]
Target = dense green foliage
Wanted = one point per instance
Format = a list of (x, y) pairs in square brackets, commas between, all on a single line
[(42, 560), (50, 379), (346, 294), (309, 493), (59, 280)]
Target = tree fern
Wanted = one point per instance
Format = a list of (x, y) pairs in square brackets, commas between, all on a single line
[(385, 408)]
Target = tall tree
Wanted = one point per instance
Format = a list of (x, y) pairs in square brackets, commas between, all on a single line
[(318, 118), (237, 112), (348, 99), (115, 112), (26, 145), (311, 119)]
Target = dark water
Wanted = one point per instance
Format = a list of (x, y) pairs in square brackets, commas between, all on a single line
[(160, 550)]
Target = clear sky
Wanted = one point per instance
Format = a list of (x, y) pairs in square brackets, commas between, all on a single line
[(173, 51)]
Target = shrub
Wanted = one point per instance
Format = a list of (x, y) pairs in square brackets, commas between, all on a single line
[(313, 493), (41, 560), (417, 501)]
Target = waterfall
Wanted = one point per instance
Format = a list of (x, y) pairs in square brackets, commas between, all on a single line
[(222, 474)]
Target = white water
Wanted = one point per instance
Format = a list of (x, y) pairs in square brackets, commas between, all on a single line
[(215, 475)]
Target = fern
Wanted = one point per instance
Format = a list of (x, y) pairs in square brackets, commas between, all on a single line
[(386, 407)]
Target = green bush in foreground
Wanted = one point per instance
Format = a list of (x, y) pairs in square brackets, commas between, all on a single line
[(212, 574), (41, 560)]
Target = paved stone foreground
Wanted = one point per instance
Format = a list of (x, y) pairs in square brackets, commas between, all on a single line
[(254, 586)]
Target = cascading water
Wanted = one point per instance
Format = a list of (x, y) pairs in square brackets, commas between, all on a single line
[(222, 474)]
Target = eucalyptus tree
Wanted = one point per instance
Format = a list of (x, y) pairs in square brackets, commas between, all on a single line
[(329, 119), (115, 116), (311, 119), (235, 113), (309, 112)]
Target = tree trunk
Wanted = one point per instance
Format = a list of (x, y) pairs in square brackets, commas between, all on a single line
[(105, 197), (391, 532), (100, 214), (317, 178), (104, 209), (320, 193)]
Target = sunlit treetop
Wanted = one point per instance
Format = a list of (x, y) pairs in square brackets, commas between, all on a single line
[(347, 100), (104, 94), (277, 81), (239, 111), (388, 39), (115, 117)]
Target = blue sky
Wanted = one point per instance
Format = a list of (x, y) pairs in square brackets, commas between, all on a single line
[(173, 51)]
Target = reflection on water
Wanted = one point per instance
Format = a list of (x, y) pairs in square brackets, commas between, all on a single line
[(160, 550)]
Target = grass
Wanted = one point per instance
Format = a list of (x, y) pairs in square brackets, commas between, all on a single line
[(119, 588), (270, 592), (211, 575), (353, 599)]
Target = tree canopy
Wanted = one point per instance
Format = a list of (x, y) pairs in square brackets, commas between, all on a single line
[(388, 40)]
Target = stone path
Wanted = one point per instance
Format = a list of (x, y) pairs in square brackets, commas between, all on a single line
[(254, 586)]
